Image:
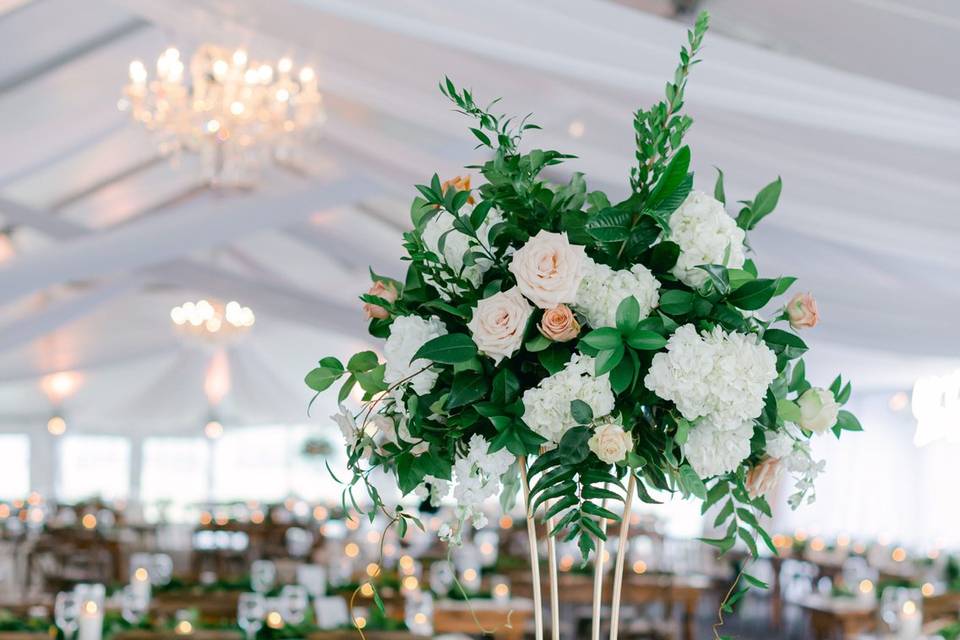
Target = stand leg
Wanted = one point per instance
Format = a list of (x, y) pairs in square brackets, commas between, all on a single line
[(534, 556), (621, 555)]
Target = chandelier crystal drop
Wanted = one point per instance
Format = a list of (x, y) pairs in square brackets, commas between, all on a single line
[(212, 320), (237, 113)]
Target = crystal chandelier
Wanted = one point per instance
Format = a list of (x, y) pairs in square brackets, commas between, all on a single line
[(236, 113), (211, 320)]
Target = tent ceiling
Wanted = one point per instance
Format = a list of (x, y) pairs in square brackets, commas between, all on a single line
[(110, 235)]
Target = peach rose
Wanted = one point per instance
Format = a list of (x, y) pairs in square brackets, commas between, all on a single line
[(610, 442), (549, 269), (559, 324), (802, 311), (460, 183), (383, 290), (499, 322), (763, 478)]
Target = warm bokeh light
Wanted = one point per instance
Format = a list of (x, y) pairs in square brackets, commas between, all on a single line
[(320, 513), (909, 608), (866, 586), (89, 521), (506, 522), (275, 620), (406, 564), (639, 566), (470, 575), (56, 426), (183, 628), (60, 386), (410, 583), (501, 590), (206, 518), (351, 550), (899, 554), (373, 569), (818, 544), (90, 607), (141, 574), (257, 517), (366, 589), (213, 430), (927, 589), (360, 622)]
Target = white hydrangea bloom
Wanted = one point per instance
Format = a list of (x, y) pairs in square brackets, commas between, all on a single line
[(547, 406), (603, 289), (407, 335), (705, 233), (713, 451), (720, 376), (455, 246)]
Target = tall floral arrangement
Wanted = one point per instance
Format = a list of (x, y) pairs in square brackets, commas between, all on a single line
[(601, 349)]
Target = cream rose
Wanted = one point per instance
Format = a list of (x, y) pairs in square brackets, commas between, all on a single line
[(549, 269), (610, 442), (499, 322), (818, 410), (802, 311), (763, 478), (383, 290), (559, 324)]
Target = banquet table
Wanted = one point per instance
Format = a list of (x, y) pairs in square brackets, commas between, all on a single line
[(839, 617), (683, 592)]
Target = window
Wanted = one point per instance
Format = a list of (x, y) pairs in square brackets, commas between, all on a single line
[(267, 463), (15, 470), (175, 471), (94, 466)]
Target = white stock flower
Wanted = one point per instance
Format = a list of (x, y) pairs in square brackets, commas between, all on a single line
[(779, 444), (705, 233), (455, 245), (476, 478), (347, 423), (407, 335), (498, 323), (547, 406), (714, 451), (549, 269), (722, 377), (610, 442), (603, 289)]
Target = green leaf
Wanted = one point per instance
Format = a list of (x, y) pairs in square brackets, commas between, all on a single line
[(663, 256), (622, 375), (753, 294), (718, 277), (363, 361), (447, 349), (783, 283), (718, 192), (785, 342), (554, 359), (467, 387), (643, 340), (788, 410), (538, 343), (346, 388), (573, 446), (672, 177), (581, 412), (372, 381), (603, 338), (609, 225), (676, 302), (506, 387), (608, 359), (691, 482), (628, 315), (847, 421), (321, 378), (765, 202)]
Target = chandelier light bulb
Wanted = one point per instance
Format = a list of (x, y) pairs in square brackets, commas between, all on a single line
[(307, 74), (237, 108), (220, 69), (284, 65), (282, 95), (213, 430), (138, 72), (240, 57), (212, 319), (265, 73), (172, 53)]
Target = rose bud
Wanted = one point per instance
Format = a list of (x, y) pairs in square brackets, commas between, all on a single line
[(559, 324), (383, 290), (802, 311)]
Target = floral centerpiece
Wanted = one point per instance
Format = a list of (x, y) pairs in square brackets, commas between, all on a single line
[(596, 350)]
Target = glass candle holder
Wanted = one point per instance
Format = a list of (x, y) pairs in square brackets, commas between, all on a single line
[(418, 614)]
